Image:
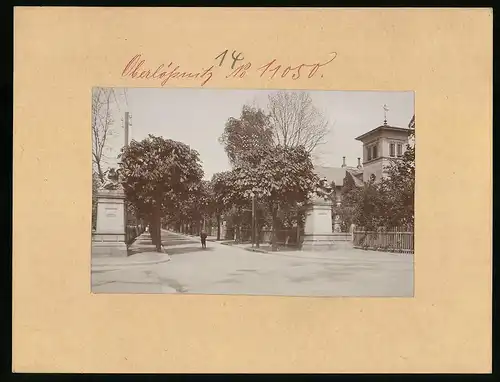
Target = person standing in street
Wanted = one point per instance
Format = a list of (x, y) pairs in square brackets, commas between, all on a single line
[(203, 236)]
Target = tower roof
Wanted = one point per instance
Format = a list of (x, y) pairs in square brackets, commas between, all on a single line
[(381, 128)]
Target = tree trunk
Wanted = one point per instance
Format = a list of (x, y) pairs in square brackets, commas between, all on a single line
[(100, 173), (149, 223), (237, 233), (275, 226), (218, 227), (152, 230), (257, 233), (298, 229), (157, 219)]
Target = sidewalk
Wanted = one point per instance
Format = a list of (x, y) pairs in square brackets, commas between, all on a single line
[(341, 252), (140, 252)]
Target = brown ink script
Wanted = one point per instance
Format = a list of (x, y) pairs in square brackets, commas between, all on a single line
[(234, 65)]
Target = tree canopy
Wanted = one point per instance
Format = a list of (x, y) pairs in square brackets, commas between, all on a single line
[(159, 174), (270, 153), (244, 135), (283, 178)]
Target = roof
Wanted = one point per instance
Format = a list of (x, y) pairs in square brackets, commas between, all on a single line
[(355, 172), (338, 174), (332, 174), (380, 128), (411, 125)]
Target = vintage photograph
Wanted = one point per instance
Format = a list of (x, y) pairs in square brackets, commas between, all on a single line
[(253, 192)]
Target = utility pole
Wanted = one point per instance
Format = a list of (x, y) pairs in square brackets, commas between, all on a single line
[(127, 123), (126, 126)]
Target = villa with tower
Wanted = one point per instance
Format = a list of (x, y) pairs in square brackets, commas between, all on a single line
[(381, 146)]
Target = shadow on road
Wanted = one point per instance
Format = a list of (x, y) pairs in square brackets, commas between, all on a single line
[(144, 244), (174, 242), (144, 248), (184, 250)]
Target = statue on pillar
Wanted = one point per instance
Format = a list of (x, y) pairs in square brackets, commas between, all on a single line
[(112, 181)]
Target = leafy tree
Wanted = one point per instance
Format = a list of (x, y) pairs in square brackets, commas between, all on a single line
[(242, 136), (399, 186), (230, 202), (283, 177), (197, 207), (158, 174), (368, 206), (348, 201), (222, 196), (292, 123), (205, 200), (185, 212)]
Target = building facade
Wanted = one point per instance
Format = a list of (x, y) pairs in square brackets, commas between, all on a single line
[(381, 146)]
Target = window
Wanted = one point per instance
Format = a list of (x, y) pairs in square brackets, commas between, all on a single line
[(400, 149), (372, 152), (392, 151)]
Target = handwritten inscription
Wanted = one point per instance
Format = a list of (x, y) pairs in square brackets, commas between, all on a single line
[(136, 68), (232, 64)]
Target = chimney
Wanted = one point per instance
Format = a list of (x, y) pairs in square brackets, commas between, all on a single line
[(343, 161), (359, 162)]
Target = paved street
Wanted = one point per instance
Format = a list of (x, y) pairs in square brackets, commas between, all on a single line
[(223, 269)]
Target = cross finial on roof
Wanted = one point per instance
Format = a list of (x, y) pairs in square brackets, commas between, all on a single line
[(386, 109)]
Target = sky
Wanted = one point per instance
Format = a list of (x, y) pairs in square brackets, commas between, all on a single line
[(197, 117)]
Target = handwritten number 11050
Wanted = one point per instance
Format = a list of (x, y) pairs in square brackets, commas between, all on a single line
[(272, 68)]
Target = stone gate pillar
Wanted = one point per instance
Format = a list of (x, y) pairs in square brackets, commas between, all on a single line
[(109, 238), (318, 233)]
